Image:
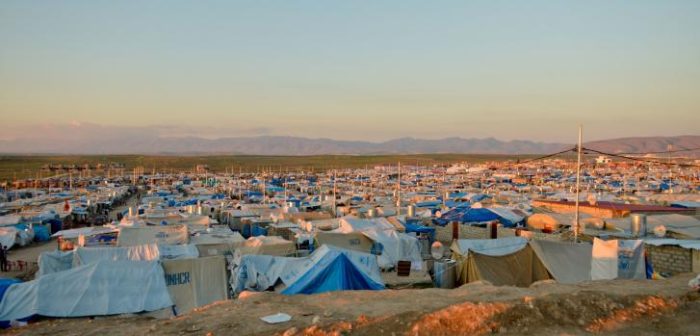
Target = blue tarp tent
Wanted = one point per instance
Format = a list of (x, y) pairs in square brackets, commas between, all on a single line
[(479, 215), (328, 269), (332, 273)]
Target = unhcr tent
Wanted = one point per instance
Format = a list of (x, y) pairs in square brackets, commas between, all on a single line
[(506, 261), (104, 288), (165, 234), (567, 262), (196, 282), (327, 269), (355, 241)]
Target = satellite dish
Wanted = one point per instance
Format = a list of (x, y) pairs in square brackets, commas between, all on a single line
[(437, 250)]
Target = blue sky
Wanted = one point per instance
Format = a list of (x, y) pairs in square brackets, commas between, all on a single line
[(365, 70)]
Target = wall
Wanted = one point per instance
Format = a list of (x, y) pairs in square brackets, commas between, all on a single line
[(671, 258)]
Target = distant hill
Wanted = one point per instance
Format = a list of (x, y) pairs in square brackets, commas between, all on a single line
[(284, 145), (648, 145)]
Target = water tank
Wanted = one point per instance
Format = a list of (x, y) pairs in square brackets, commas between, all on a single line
[(411, 211), (444, 274), (639, 225)]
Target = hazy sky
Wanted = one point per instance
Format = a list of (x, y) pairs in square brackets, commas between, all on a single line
[(365, 70)]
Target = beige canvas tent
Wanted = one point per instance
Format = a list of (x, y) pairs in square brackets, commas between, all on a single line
[(506, 261), (195, 282)]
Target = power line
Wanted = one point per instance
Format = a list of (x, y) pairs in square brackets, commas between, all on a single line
[(548, 156), (659, 152)]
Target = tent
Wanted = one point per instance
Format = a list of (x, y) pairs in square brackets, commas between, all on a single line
[(166, 234), (355, 241), (56, 261), (567, 262), (267, 245), (103, 288), (505, 216), (506, 261), (329, 268), (196, 282), (395, 246)]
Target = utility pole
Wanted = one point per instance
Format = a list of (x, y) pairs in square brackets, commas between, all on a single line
[(335, 177), (398, 192), (578, 184)]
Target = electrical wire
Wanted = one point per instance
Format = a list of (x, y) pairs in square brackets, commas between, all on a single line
[(548, 156)]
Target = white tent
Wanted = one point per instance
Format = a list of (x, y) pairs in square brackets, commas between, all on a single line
[(103, 288)]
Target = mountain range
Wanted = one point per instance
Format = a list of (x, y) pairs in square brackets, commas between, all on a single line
[(285, 145)]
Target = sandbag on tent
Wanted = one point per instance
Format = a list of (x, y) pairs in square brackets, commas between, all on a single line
[(140, 235), (54, 261), (567, 262), (103, 288), (196, 282), (506, 261)]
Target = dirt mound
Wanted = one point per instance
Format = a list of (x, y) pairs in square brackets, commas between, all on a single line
[(623, 307)]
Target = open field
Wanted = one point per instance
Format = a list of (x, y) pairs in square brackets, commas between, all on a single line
[(27, 166)]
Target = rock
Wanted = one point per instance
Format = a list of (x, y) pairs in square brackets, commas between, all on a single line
[(316, 320), (327, 313), (290, 332)]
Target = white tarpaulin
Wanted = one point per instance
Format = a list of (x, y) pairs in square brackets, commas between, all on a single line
[(90, 255), (54, 261), (490, 247), (196, 282), (104, 288), (260, 272), (164, 234), (396, 247), (604, 262)]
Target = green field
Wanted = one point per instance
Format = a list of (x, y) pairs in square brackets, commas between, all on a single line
[(28, 166)]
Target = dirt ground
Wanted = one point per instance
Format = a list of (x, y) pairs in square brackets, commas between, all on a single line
[(621, 307)]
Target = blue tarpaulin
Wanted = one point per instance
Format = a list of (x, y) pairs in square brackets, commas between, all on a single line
[(333, 272)]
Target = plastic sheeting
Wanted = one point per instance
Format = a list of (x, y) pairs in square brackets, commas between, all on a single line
[(490, 247), (689, 244), (630, 257), (396, 247), (54, 261), (90, 255), (104, 288), (568, 263), (604, 259), (141, 252), (327, 269), (196, 282)]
